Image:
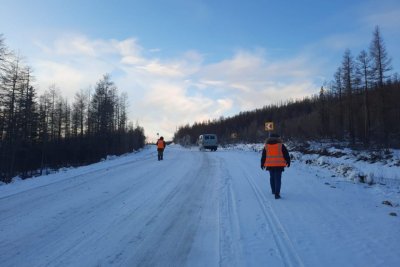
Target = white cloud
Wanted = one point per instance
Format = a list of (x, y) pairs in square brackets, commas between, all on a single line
[(74, 45), (51, 72), (252, 81), (160, 69), (166, 93), (130, 51)]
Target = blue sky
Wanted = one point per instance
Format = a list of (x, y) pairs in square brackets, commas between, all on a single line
[(185, 61)]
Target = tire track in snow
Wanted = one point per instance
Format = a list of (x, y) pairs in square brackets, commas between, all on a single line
[(170, 226), (77, 217), (229, 249), (281, 238)]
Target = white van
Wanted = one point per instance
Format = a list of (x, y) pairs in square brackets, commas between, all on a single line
[(208, 141)]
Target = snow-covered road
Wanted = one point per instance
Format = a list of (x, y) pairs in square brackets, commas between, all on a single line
[(194, 209)]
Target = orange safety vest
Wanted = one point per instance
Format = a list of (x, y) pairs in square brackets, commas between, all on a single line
[(274, 157), (160, 144)]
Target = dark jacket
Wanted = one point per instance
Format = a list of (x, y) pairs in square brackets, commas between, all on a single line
[(272, 141), (161, 149)]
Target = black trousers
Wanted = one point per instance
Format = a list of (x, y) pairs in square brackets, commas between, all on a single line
[(160, 154), (275, 177)]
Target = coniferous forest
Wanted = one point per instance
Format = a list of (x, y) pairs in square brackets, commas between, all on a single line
[(361, 105), (43, 132)]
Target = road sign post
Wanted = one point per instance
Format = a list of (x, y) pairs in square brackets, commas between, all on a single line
[(269, 126)]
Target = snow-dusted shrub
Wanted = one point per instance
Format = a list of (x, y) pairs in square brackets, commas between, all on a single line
[(16, 179), (65, 169), (343, 169), (370, 178), (322, 161), (354, 176), (361, 177), (111, 157), (295, 155)]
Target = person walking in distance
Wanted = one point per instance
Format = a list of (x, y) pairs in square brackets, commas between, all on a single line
[(275, 157), (160, 148)]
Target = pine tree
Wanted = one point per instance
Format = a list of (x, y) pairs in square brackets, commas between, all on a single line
[(365, 75), (348, 82), (381, 65), (380, 58), (338, 86)]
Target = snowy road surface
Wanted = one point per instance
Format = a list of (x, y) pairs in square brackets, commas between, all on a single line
[(194, 209)]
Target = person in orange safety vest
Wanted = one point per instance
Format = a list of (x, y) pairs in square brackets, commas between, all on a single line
[(275, 157), (160, 148)]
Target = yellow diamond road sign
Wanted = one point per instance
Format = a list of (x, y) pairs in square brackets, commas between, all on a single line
[(269, 126)]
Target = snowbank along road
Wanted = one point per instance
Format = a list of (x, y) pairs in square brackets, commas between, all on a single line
[(194, 209)]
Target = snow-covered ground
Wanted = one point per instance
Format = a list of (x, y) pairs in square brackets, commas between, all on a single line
[(203, 209)]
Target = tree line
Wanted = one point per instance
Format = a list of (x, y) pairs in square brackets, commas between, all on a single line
[(360, 105), (40, 133)]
